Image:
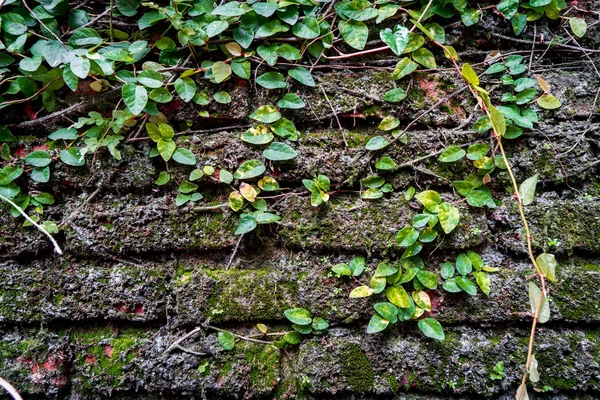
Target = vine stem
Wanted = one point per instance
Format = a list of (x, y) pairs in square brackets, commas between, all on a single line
[(39, 227), (519, 202)]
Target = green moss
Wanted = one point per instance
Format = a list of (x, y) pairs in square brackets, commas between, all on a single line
[(107, 357), (264, 364), (357, 368), (251, 295), (391, 379)]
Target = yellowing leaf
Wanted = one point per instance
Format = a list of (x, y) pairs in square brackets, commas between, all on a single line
[(248, 192), (548, 101), (361, 291), (470, 75), (547, 264), (527, 190)]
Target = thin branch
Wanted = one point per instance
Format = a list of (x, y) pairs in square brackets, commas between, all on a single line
[(31, 221), (237, 246), (43, 24), (7, 386), (336, 116)]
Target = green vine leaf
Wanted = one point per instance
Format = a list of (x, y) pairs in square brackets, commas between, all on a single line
[(355, 33), (135, 97), (397, 39), (431, 328), (527, 190)]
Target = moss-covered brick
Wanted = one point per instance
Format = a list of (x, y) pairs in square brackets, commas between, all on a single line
[(104, 359)]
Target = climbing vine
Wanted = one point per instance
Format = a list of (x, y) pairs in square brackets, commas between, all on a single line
[(52, 48)]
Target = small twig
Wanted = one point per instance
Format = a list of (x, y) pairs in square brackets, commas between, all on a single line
[(210, 208), (7, 386), (10, 102), (237, 246), (249, 339), (336, 116), (182, 339), (31, 221), (43, 24)]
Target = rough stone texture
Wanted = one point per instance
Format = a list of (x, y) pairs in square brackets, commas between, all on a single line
[(139, 272)]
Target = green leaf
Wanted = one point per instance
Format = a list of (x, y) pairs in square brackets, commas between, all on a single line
[(452, 286), (397, 40), (425, 58), (226, 340), (229, 9), (38, 158), (187, 187), (387, 311), (470, 75), (518, 22), (398, 296), (257, 135), (266, 114), (9, 174), (373, 181), (222, 97), (249, 169), (388, 123), (271, 28), (547, 264), (498, 121), (470, 16), (271, 80), (385, 164), (447, 270), (463, 264), (72, 157), (404, 67), (535, 296), (451, 154), (184, 156), (135, 97), (578, 26), (163, 178), (430, 200), (186, 88), (302, 75), (421, 299), (127, 7), (476, 260), (247, 224), (385, 269), (319, 324), (285, 128), (376, 143), (279, 152), (151, 79), (166, 148), (40, 174), (361, 291), (289, 52), (342, 269), (357, 265), (241, 68), (323, 182), (291, 101), (431, 328), (484, 281), (449, 217), (495, 68), (371, 194), (527, 190), (308, 28), (292, 338), (428, 279), (465, 284), (161, 95), (355, 33), (407, 236), (477, 151), (30, 64), (548, 101), (236, 200), (395, 95), (377, 324), (80, 67)]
